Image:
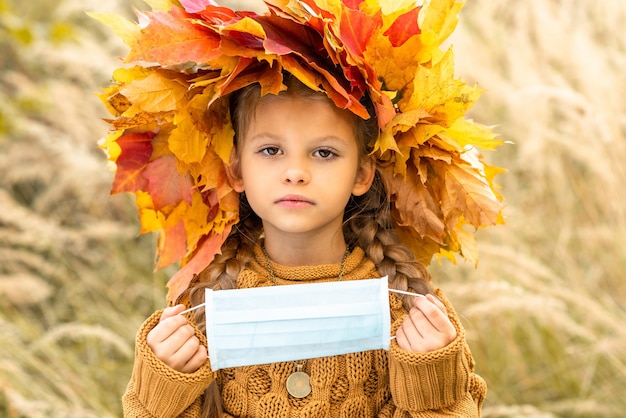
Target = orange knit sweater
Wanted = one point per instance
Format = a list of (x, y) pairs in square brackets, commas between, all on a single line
[(379, 383)]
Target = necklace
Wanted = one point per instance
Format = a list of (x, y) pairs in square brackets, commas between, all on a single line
[(270, 270), (299, 383)]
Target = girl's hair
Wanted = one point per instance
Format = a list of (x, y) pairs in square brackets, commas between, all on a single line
[(367, 222)]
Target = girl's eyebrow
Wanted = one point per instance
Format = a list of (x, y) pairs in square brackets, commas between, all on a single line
[(269, 135)]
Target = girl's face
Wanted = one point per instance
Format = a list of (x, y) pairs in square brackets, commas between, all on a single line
[(298, 163)]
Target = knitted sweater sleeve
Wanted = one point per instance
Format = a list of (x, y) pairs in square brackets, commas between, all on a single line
[(156, 390), (441, 383)]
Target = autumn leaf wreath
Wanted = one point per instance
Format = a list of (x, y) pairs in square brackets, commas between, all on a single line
[(172, 133)]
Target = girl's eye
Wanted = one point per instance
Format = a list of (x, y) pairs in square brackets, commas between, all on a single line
[(324, 153), (270, 151)]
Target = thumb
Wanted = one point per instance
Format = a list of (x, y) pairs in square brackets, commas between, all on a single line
[(172, 311)]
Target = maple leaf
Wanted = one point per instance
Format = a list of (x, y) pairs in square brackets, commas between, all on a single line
[(186, 142), (467, 194), (171, 39), (123, 28), (165, 184), (149, 219), (403, 28), (171, 245), (401, 122), (466, 242), (194, 6), (135, 152), (154, 93), (422, 248), (356, 29), (205, 253), (415, 206), (470, 133), (442, 18), (110, 146), (387, 7), (164, 5)]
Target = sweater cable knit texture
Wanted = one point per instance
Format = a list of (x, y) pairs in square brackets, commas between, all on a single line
[(378, 383)]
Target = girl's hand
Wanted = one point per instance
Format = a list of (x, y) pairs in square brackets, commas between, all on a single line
[(427, 327), (174, 342)]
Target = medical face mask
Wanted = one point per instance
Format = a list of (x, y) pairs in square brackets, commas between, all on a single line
[(296, 322)]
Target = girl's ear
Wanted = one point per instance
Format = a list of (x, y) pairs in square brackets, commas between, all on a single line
[(364, 177), (233, 172)]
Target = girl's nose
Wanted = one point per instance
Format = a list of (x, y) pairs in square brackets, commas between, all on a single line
[(296, 172)]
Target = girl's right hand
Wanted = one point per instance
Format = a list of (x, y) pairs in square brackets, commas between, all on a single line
[(174, 342)]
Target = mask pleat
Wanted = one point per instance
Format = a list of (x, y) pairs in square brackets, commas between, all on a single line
[(283, 323)]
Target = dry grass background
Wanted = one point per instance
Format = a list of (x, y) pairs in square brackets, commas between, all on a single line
[(544, 309)]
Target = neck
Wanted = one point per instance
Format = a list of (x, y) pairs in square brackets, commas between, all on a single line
[(305, 251)]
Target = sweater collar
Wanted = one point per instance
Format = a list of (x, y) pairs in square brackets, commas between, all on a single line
[(298, 274)]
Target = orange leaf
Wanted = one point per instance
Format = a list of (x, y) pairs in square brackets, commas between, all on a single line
[(415, 206), (172, 245), (357, 28), (165, 184), (404, 27), (423, 248), (136, 149), (155, 93), (171, 39), (469, 195), (206, 252)]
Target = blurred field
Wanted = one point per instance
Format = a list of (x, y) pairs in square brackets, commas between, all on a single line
[(544, 309)]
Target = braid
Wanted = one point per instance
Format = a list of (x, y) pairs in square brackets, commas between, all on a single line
[(369, 225), (236, 252)]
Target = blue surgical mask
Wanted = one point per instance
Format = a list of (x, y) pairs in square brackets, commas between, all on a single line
[(295, 322)]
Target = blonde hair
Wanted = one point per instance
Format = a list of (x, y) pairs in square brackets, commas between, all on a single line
[(367, 223)]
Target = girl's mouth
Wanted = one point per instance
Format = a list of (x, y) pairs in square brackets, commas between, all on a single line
[(294, 201)]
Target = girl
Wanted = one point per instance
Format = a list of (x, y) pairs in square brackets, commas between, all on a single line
[(338, 128), (314, 209)]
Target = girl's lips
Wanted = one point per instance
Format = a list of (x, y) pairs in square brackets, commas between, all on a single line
[(294, 201)]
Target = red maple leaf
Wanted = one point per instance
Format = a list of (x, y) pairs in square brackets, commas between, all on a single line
[(404, 27), (136, 151), (165, 184), (172, 38)]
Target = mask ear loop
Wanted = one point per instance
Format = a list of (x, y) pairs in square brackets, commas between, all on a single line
[(402, 292), (192, 309)]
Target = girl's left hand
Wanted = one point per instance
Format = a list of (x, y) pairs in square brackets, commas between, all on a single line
[(427, 327)]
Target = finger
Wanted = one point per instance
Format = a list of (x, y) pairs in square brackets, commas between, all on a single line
[(165, 329), (437, 318), (176, 349), (179, 360), (421, 322), (403, 340), (434, 299), (412, 332), (198, 359), (171, 311)]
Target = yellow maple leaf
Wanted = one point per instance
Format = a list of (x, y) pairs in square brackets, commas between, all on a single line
[(441, 17), (186, 142), (467, 194), (466, 242), (125, 29), (163, 5), (110, 145), (466, 133), (155, 93)]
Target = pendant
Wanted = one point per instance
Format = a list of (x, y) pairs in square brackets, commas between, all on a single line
[(298, 384)]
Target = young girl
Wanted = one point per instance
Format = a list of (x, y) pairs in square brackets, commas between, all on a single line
[(314, 206)]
